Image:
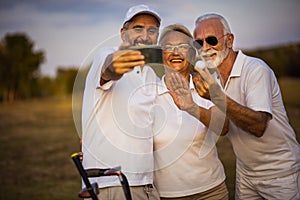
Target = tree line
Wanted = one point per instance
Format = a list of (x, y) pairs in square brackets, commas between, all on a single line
[(284, 59), (20, 76)]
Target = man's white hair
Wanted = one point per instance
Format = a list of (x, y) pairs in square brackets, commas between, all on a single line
[(215, 16)]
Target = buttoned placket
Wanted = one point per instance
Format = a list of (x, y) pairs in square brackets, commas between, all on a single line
[(148, 82)]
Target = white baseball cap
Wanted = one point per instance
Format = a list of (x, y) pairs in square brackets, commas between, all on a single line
[(139, 9)]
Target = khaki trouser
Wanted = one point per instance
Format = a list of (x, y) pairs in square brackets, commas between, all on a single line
[(146, 192), (219, 192)]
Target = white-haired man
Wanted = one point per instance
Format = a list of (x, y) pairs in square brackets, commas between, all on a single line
[(246, 89)]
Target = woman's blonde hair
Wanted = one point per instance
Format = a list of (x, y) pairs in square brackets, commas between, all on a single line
[(175, 27)]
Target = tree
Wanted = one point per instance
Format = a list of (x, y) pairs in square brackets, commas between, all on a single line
[(64, 80), (19, 67)]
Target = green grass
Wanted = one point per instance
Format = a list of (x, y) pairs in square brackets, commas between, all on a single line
[(290, 88), (37, 138)]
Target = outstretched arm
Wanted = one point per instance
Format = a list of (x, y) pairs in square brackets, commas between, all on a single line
[(119, 63)]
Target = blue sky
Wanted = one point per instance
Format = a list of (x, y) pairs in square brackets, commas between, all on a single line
[(68, 30)]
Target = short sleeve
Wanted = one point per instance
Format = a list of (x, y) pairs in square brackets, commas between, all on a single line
[(258, 87)]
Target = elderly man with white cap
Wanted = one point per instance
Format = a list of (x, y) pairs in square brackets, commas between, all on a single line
[(116, 112)]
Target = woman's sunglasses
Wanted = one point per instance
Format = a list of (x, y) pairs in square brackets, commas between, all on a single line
[(211, 40)]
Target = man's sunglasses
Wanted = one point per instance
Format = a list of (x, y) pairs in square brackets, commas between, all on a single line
[(211, 40)]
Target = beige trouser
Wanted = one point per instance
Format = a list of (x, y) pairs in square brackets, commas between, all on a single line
[(146, 192), (219, 192)]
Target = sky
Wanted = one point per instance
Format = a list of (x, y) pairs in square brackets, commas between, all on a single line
[(68, 30)]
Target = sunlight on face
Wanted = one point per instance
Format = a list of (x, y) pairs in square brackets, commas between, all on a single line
[(142, 30), (178, 54), (212, 54), (219, 58)]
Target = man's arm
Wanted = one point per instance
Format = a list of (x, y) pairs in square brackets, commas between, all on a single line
[(108, 72), (251, 121), (119, 63), (254, 122)]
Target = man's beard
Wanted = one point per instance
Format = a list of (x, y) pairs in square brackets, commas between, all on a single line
[(220, 56)]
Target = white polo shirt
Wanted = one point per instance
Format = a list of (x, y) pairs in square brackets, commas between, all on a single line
[(117, 124), (253, 84), (186, 159)]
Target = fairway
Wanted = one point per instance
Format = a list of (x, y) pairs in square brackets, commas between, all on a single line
[(37, 138)]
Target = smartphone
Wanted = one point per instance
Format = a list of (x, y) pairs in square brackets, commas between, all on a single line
[(152, 53)]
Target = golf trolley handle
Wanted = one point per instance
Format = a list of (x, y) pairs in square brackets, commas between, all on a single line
[(96, 172), (76, 158)]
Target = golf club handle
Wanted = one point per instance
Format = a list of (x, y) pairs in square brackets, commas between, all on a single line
[(76, 158)]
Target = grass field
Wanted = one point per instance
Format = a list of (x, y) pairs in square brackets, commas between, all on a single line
[(37, 138)]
